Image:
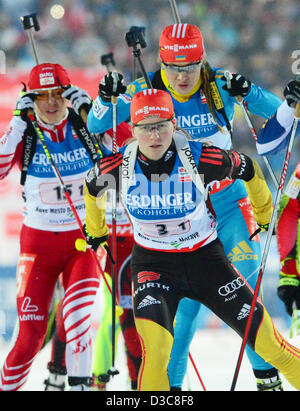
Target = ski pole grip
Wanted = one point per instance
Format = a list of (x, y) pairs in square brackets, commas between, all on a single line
[(30, 21), (107, 60), (297, 111), (228, 77)]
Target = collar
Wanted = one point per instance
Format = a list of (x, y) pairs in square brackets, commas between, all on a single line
[(164, 159), (56, 130), (182, 98)]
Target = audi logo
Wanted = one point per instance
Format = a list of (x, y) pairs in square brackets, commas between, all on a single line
[(230, 288)]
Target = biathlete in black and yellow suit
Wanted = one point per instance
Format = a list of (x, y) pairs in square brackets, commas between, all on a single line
[(177, 253)]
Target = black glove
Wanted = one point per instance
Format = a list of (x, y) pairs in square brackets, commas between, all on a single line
[(79, 98), (292, 92), (289, 292), (25, 103), (111, 85), (238, 85), (261, 228), (95, 242), (111, 164)]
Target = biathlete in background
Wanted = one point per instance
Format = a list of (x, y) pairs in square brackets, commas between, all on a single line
[(49, 231), (288, 241)]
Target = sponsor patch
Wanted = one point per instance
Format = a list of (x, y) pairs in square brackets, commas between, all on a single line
[(144, 276)]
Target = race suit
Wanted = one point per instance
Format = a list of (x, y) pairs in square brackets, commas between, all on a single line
[(177, 248), (229, 198)]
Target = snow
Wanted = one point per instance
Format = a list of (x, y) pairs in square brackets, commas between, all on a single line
[(215, 352)]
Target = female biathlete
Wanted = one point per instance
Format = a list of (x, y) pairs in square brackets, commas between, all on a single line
[(204, 105), (177, 252)]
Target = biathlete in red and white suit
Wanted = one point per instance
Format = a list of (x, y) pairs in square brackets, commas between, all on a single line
[(125, 244), (49, 232)]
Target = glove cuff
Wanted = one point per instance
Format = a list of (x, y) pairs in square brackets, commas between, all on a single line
[(89, 236), (288, 281)]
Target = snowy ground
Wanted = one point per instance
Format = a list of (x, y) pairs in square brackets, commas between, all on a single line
[(215, 353)]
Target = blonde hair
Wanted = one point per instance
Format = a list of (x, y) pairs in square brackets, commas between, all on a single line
[(207, 75)]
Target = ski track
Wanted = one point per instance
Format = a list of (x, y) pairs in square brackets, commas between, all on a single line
[(215, 352)]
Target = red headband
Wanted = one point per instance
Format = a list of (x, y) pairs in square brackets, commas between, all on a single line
[(181, 43), (151, 103), (47, 76)]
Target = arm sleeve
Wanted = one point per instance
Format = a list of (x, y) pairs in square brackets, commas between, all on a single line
[(95, 214), (262, 102), (260, 196), (10, 145), (216, 164), (99, 119), (273, 136), (102, 177)]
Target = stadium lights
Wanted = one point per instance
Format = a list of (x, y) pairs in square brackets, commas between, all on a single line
[(57, 11)]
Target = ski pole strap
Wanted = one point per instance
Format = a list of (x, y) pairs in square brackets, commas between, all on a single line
[(29, 147), (84, 136), (219, 105)]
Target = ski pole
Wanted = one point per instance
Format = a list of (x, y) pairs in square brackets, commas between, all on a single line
[(108, 61), (113, 371), (134, 74), (133, 39), (196, 371), (241, 103), (267, 243), (175, 11), (30, 22)]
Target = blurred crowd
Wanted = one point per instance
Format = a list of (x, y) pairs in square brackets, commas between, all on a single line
[(253, 37)]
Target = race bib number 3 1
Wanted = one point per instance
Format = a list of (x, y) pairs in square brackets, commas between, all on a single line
[(165, 228)]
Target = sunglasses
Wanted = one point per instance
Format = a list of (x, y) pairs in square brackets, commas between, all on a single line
[(147, 129), (190, 68), (44, 95)]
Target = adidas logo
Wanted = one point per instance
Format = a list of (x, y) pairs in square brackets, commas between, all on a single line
[(242, 252), (245, 311), (147, 301)]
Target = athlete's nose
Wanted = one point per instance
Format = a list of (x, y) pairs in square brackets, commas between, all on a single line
[(182, 75), (154, 133)]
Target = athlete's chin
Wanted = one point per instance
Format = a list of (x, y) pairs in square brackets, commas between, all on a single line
[(156, 152), (183, 89)]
